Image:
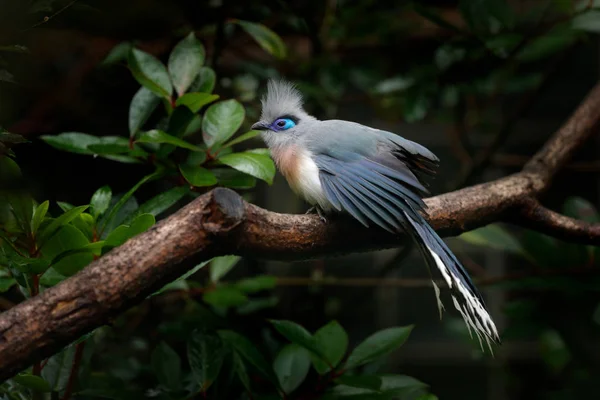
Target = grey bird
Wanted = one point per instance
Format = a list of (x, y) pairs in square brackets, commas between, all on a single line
[(373, 175)]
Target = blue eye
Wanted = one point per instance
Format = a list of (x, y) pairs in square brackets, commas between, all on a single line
[(283, 124)]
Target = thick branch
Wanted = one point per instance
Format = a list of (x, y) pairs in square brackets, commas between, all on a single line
[(220, 223)]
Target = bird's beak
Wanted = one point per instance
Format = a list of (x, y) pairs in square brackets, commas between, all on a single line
[(260, 126)]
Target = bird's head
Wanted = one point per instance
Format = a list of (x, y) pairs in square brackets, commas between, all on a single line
[(282, 117)]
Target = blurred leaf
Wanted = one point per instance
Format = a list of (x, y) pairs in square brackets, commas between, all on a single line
[(493, 236), (220, 266), (197, 176), (221, 121), (249, 351), (266, 38), (256, 283), (392, 387), (67, 238), (257, 165), (73, 142), (503, 45), (156, 136), (123, 233), (588, 22), (254, 305), (579, 208), (58, 368), (416, 104), (291, 366), (33, 382), (161, 202), (205, 354), (150, 73), (6, 76), (395, 84), (234, 179), (106, 222), (38, 216), (205, 81), (225, 296), (433, 16), (554, 352), (6, 283), (296, 333), (142, 105), (547, 45), (428, 396), (108, 149), (64, 219), (176, 283), (185, 62), (100, 201), (195, 101), (12, 138), (539, 249), (117, 53), (51, 277), (333, 339), (448, 55), (371, 382), (487, 15), (166, 365), (378, 345), (242, 138), (240, 370)]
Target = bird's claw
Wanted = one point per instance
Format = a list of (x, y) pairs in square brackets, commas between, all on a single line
[(320, 213)]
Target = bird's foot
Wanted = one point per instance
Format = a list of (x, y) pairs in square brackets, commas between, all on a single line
[(319, 212)]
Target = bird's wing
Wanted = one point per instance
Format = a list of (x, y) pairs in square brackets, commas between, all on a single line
[(380, 191)]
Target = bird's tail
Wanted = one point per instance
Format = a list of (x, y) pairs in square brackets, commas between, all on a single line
[(465, 296)]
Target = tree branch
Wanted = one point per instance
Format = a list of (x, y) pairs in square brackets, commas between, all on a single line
[(221, 222)]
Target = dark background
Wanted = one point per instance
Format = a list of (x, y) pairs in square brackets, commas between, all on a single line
[(551, 337)]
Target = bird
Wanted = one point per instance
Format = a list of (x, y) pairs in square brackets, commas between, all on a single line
[(375, 176)]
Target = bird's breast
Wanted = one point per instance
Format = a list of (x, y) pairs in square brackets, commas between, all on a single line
[(301, 173)]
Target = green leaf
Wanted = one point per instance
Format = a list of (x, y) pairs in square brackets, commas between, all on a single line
[(108, 149), (67, 238), (124, 232), (73, 142), (150, 73), (51, 278), (554, 351), (587, 22), (434, 17), (125, 198), (393, 85), (291, 366), (297, 334), (38, 216), (242, 138), (6, 283), (254, 305), (118, 53), (225, 296), (58, 368), (64, 219), (392, 387), (378, 345), (195, 101), (240, 370), (257, 165), (265, 37), (547, 45), (166, 365), (256, 284), (197, 176), (493, 236), (156, 136), (100, 201), (221, 121), (234, 179), (582, 209), (248, 351), (333, 339), (33, 382), (205, 81), (371, 382), (160, 202), (185, 62), (142, 105), (220, 266), (205, 354)]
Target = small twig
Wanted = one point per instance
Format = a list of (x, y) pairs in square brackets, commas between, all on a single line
[(48, 18), (74, 370)]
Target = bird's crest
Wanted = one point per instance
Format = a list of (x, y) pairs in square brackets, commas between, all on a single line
[(282, 98)]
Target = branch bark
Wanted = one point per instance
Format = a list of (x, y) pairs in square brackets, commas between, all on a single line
[(221, 222)]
